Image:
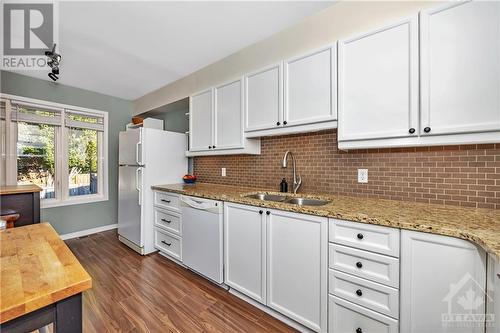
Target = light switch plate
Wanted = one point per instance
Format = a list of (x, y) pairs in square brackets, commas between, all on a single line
[(362, 175), (223, 172)]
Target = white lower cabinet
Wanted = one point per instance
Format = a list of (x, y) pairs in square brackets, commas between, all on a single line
[(245, 250), (443, 283), (296, 267), (279, 259), (347, 317), (493, 292)]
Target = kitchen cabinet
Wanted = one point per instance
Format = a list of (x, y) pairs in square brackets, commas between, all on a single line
[(229, 115), (310, 87), (441, 278), (346, 317), (245, 250), (378, 83), (263, 98), (201, 120), (216, 122), (493, 292), (279, 259), (296, 267), (460, 68)]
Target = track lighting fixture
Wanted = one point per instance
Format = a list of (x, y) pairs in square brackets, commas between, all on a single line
[(53, 62)]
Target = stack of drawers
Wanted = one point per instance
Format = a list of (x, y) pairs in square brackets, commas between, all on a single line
[(363, 278), (168, 224)]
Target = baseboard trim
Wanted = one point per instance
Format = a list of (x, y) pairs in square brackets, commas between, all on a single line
[(87, 232)]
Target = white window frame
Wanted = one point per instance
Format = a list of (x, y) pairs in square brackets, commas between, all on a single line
[(61, 146)]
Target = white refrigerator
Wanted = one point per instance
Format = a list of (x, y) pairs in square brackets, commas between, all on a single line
[(146, 157)]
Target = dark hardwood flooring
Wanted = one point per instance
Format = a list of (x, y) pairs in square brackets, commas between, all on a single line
[(133, 293)]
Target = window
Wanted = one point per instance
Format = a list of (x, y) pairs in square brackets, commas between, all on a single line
[(59, 148), (3, 145)]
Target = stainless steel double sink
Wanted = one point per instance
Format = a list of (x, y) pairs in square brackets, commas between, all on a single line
[(287, 199)]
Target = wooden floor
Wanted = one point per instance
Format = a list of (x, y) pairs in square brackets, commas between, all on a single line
[(133, 293)]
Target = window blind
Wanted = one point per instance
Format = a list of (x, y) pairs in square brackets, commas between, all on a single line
[(75, 119), (32, 113)]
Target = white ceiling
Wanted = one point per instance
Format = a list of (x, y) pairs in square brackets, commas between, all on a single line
[(128, 49)]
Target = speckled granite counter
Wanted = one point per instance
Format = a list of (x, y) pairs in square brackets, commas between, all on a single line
[(481, 226)]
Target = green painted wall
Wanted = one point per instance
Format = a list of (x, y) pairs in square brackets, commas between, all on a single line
[(85, 216)]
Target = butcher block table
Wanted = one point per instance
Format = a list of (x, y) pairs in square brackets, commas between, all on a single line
[(41, 281)]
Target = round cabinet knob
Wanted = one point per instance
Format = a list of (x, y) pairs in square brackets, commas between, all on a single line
[(359, 264), (213, 146), (359, 330), (359, 292), (284, 123), (209, 147), (261, 212), (278, 123), (411, 130), (360, 236), (427, 129), (268, 213)]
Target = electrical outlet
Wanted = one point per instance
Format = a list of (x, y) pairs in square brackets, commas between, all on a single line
[(223, 172), (362, 175)]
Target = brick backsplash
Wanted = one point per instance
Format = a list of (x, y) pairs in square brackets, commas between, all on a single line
[(466, 175)]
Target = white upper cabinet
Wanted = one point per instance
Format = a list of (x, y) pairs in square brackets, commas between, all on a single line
[(229, 115), (378, 83), (216, 122), (263, 98), (310, 87), (200, 120), (460, 68)]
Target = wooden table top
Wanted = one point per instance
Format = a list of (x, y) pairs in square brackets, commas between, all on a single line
[(17, 189), (36, 269)]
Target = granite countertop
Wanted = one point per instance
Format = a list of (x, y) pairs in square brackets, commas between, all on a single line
[(481, 226)]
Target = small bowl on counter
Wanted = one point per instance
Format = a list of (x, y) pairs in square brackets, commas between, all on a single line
[(189, 179)]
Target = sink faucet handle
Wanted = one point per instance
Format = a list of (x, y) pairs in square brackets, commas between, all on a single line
[(297, 184)]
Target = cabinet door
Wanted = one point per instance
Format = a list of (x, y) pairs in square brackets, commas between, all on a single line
[(378, 83), (297, 267), (310, 87), (244, 250), (200, 120), (263, 98), (460, 52), (493, 299), (229, 115), (442, 278)]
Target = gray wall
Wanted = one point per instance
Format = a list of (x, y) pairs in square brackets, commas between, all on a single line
[(85, 216)]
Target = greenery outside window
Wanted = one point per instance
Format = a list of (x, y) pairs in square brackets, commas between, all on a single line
[(59, 148)]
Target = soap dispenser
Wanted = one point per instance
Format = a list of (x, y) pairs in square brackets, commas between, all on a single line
[(283, 186)]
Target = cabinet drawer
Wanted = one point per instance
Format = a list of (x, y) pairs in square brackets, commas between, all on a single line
[(168, 221), (168, 201), (374, 267), (366, 293), (168, 243), (345, 317), (369, 237)]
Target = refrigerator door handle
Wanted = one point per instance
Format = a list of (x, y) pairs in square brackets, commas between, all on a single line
[(138, 156), (138, 184)]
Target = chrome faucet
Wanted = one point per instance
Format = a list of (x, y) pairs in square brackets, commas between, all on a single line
[(296, 182)]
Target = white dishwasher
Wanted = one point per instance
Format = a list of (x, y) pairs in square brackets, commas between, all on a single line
[(202, 236)]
